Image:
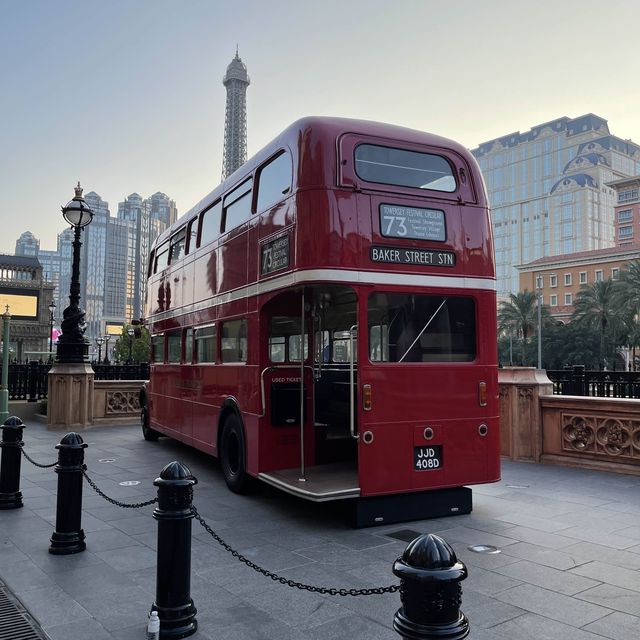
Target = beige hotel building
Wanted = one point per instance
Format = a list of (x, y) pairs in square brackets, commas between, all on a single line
[(551, 195)]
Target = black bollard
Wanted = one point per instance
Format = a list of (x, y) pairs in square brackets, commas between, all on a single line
[(10, 494), (68, 536), (173, 601), (430, 591)]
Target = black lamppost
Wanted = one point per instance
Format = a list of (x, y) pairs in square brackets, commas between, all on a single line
[(99, 342), (52, 310), (107, 337), (130, 332), (73, 347)]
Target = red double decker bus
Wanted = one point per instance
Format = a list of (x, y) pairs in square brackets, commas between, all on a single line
[(325, 321)]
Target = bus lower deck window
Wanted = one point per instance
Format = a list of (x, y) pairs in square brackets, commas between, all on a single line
[(233, 341)]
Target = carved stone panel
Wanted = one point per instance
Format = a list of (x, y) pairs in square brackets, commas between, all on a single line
[(601, 436), (122, 402)]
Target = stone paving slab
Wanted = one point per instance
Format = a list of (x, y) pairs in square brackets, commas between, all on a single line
[(569, 565)]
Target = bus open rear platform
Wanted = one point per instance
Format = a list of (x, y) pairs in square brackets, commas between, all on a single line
[(337, 481)]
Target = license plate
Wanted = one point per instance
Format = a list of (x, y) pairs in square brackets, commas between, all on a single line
[(427, 458)]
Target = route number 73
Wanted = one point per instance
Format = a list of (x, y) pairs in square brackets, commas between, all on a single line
[(400, 227)]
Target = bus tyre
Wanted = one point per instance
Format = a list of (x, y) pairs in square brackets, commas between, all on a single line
[(147, 432), (233, 455)]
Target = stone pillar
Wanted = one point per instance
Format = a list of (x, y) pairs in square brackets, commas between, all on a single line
[(70, 396), (520, 415)]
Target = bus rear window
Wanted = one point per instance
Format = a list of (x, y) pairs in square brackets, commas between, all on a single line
[(413, 328), (403, 168)]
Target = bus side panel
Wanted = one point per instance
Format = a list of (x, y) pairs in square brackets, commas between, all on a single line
[(478, 241), (327, 230), (232, 260)]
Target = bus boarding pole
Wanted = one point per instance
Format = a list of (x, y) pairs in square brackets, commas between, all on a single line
[(302, 477)]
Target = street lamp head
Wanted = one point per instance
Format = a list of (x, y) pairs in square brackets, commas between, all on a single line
[(76, 212), (131, 331), (52, 307), (99, 341)]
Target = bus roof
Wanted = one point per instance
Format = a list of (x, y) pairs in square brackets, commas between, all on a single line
[(322, 127)]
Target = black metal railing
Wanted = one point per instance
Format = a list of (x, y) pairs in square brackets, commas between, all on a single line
[(577, 381), (29, 381)]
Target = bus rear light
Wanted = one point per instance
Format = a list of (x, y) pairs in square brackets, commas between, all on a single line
[(482, 394), (366, 397)]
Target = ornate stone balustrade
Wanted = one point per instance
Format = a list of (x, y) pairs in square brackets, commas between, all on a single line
[(116, 401), (597, 433), (580, 431)]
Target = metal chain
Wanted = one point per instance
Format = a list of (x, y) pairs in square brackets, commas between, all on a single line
[(292, 583), (37, 464), (125, 505)]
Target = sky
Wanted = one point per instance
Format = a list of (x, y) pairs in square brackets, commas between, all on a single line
[(127, 96)]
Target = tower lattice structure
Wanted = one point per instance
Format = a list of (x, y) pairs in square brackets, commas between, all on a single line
[(236, 81)]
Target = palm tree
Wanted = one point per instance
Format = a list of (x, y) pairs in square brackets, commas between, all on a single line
[(628, 297), (518, 315), (629, 287), (597, 308)]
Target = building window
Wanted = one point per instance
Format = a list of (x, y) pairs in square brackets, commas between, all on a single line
[(568, 299), (539, 282), (583, 277), (567, 279), (553, 280), (554, 300), (625, 232), (615, 273), (627, 195), (625, 216), (599, 275)]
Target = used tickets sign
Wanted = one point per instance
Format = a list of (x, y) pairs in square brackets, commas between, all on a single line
[(400, 255)]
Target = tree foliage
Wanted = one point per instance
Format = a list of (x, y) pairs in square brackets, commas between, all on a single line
[(140, 345)]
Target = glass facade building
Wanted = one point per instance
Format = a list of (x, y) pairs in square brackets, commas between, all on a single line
[(549, 193)]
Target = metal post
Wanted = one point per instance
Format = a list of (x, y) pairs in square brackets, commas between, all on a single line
[(68, 536), (430, 591), (33, 374), (302, 477), (10, 495), (173, 601), (106, 349), (4, 389), (539, 322)]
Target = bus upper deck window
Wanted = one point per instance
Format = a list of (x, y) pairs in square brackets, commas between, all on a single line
[(162, 257), (274, 181), (192, 236), (210, 224), (403, 168), (237, 206), (177, 247)]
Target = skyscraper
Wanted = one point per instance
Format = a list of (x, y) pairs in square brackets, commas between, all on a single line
[(147, 223), (236, 81), (27, 245), (549, 193)]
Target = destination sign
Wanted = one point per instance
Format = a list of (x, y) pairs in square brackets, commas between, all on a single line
[(275, 255), (402, 255), (412, 222)]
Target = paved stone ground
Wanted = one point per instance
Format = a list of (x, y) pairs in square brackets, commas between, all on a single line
[(569, 567)]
